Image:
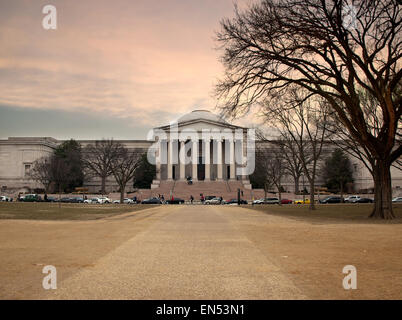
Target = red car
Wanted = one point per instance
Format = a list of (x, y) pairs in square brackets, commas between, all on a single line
[(286, 201)]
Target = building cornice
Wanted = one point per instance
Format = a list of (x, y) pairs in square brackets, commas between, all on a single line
[(190, 122)]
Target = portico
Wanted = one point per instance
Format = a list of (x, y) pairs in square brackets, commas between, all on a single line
[(199, 145)]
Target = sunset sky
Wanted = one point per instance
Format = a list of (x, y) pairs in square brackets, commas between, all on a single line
[(111, 69)]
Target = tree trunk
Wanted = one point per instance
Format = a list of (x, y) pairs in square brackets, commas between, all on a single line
[(103, 190), (312, 196), (280, 195), (122, 189), (297, 184), (382, 191)]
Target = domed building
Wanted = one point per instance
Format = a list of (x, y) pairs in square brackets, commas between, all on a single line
[(198, 115), (200, 147), (208, 144)]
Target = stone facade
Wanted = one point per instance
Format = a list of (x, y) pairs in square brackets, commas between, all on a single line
[(207, 156)]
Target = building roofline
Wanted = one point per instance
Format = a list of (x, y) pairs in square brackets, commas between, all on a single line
[(185, 123)]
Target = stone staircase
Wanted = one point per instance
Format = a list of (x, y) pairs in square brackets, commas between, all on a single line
[(180, 189)]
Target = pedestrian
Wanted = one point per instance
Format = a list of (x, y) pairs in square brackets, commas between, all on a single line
[(191, 199)]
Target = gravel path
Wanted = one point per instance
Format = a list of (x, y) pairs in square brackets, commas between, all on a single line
[(192, 252)]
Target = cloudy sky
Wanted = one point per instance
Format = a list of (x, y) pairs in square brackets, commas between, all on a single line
[(111, 69)]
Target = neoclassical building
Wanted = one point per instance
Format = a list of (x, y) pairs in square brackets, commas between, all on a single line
[(215, 154), (202, 146)]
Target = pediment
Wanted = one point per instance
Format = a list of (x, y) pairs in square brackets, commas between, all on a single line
[(199, 125)]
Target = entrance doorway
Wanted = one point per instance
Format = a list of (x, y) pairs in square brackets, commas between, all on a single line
[(201, 169)]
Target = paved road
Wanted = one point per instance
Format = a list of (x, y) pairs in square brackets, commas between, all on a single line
[(189, 252)]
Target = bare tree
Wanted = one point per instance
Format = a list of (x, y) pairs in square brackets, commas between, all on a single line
[(124, 168), (41, 172), (99, 158), (342, 139), (259, 177), (334, 49), (302, 121), (61, 173), (289, 150), (293, 164), (272, 164)]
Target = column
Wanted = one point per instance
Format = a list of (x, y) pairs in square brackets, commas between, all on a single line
[(182, 160), (219, 159), (207, 158), (245, 154), (232, 160), (169, 159), (194, 152), (158, 159)]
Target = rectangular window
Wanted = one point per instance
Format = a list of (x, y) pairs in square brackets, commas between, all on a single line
[(27, 169)]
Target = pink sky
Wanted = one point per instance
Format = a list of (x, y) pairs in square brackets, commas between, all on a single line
[(144, 60)]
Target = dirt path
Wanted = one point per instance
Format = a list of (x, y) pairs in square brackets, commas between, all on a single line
[(190, 253), (27, 246), (199, 252), (313, 254)]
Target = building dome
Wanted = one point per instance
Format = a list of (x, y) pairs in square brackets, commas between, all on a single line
[(200, 115)]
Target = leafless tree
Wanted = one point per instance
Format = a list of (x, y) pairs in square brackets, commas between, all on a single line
[(302, 121), (273, 168), (293, 164), (99, 158), (41, 172), (61, 171), (124, 168), (342, 139), (290, 152), (334, 49)]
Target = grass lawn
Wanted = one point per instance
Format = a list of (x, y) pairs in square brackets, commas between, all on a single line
[(66, 211), (329, 212)]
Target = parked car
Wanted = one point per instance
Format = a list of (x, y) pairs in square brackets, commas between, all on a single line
[(5, 199), (65, 200), (266, 201), (76, 200), (103, 200), (217, 200), (286, 201), (332, 199), (175, 201), (209, 197), (92, 201), (52, 199), (365, 200), (125, 200), (31, 198), (397, 199), (352, 199), (258, 201), (234, 201), (151, 201), (301, 201), (271, 201)]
